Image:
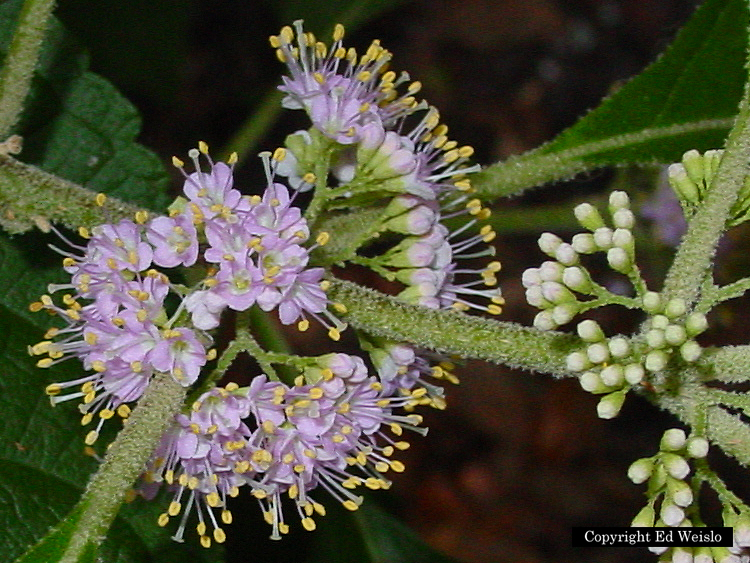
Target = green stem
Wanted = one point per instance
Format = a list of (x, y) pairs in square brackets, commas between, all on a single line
[(86, 526), (21, 60), (695, 255)]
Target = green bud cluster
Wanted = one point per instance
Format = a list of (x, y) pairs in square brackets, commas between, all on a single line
[(665, 473), (691, 178), (556, 285)]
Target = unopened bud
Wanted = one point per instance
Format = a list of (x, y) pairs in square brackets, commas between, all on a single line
[(577, 279), (675, 308), (566, 255), (655, 338), (697, 447), (564, 313), (691, 351), (652, 302), (584, 243), (591, 382), (588, 216), (671, 514), (623, 219), (640, 470), (577, 362), (685, 189), (673, 439), (618, 260), (551, 271), (613, 375), (695, 324), (548, 243), (619, 346), (531, 277), (675, 465), (679, 492), (609, 406), (590, 331), (634, 373), (598, 353), (603, 238), (656, 361), (543, 321), (675, 335), (659, 321), (692, 160), (618, 200)]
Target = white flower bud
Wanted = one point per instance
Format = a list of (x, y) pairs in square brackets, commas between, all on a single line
[(531, 277), (576, 279), (634, 373), (618, 200), (577, 362), (640, 471), (583, 243), (551, 271), (682, 555), (675, 465), (675, 335), (548, 243), (623, 219), (697, 447), (564, 313), (613, 375), (588, 216), (603, 238), (671, 514), (682, 185), (673, 439), (691, 351), (680, 492), (656, 361), (695, 324), (623, 238), (658, 550), (675, 308), (590, 331), (609, 406), (702, 555), (598, 353), (659, 321), (652, 302), (619, 346), (556, 292), (742, 530), (566, 255), (543, 321), (644, 518), (535, 297), (591, 382), (655, 338), (618, 260)]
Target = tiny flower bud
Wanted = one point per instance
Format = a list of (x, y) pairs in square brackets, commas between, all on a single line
[(584, 243), (634, 373), (640, 471), (623, 219), (685, 189), (548, 243), (590, 331), (618, 200), (613, 375), (675, 465), (695, 324), (682, 555), (691, 351), (603, 238), (535, 297), (566, 255), (609, 406), (673, 439), (644, 518), (551, 271), (679, 492), (675, 335), (577, 279), (692, 160), (659, 321), (656, 361), (577, 361), (543, 321), (697, 447), (742, 530), (591, 382), (652, 302), (618, 260), (564, 313), (588, 216), (655, 338), (619, 346), (556, 293), (623, 238), (675, 308), (671, 514), (531, 277), (598, 353)]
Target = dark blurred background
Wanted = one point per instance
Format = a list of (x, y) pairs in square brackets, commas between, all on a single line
[(518, 458)]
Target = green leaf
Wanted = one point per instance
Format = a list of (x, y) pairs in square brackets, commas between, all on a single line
[(76, 125), (687, 99)]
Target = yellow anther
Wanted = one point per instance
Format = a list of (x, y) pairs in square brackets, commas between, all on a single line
[(53, 389), (36, 306), (219, 535), (323, 238), (340, 53), (84, 232), (466, 151), (226, 517), (163, 519), (309, 178), (319, 78), (205, 541), (324, 285), (100, 199), (338, 32), (123, 411), (279, 154), (213, 500), (106, 414), (327, 374), (340, 308), (350, 505), (174, 508), (203, 147), (280, 55), (334, 334), (44, 363), (494, 309), (397, 466), (316, 393), (274, 41), (141, 217), (293, 490), (308, 524), (91, 438), (87, 418), (463, 185)]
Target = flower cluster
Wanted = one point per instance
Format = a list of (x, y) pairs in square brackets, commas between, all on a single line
[(326, 430), (119, 319)]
